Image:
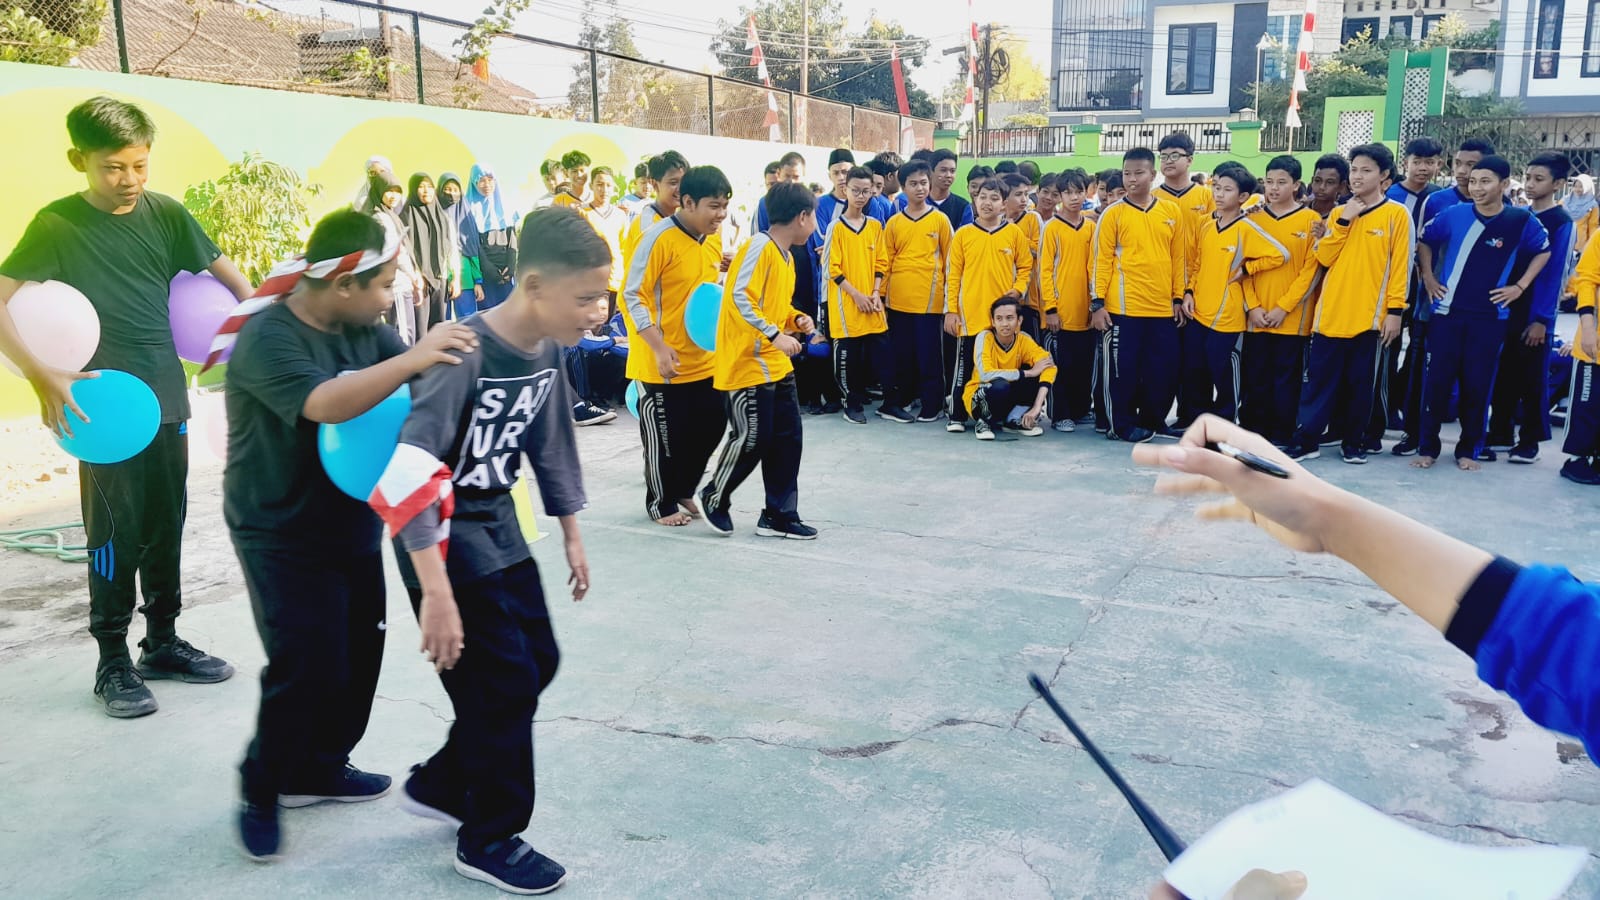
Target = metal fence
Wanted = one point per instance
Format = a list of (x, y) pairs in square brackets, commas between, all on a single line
[(1519, 139), (1276, 137), (359, 48), (1051, 140), (1208, 137)]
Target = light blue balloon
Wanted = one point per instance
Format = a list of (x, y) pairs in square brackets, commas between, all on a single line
[(355, 453), (632, 398), (124, 416), (701, 314)]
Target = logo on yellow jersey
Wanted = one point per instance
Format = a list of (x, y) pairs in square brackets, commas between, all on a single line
[(1302, 235), (1171, 223), (1006, 250), (1376, 232)]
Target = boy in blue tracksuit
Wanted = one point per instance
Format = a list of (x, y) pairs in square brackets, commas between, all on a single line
[(1481, 244)]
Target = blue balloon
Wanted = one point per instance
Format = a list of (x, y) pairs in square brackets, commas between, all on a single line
[(355, 453), (124, 416), (819, 350), (632, 398), (701, 314)]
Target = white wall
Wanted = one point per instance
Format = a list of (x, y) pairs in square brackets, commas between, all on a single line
[(1568, 81), (1219, 14)]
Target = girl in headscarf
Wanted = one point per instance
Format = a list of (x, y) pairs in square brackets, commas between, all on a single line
[(452, 197), (497, 235), (384, 199), (433, 249), (1584, 209)]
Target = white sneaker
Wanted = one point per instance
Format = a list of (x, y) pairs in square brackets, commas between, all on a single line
[(955, 427), (1065, 426), (1035, 431), (983, 431)]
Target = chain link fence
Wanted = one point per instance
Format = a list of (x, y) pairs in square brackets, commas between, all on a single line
[(1521, 138), (358, 48)]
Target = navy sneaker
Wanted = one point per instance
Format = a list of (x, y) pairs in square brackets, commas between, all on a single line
[(179, 660), (121, 690), (814, 409), (935, 416), (718, 519), (1330, 438), (1580, 470), (1487, 455), (1523, 454), (1372, 445), (420, 799), (1406, 447), (349, 785), (770, 525), (512, 866), (1355, 456), (895, 414), (589, 414), (259, 836), (855, 417), (1137, 435), (1311, 451), (831, 407)]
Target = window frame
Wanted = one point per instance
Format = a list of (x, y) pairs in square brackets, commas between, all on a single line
[(1551, 36), (1589, 65), (1191, 45)]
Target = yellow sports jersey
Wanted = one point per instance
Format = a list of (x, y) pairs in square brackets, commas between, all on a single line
[(1033, 229), (1195, 200), (1369, 269), (642, 221), (1064, 258), (756, 307), (859, 256), (568, 198), (917, 249), (1219, 253), (985, 265), (1586, 277), (989, 357), (1293, 286), (1140, 254), (667, 265), (610, 223)]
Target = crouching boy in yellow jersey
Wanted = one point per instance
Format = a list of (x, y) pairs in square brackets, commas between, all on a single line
[(1009, 369), (680, 411), (753, 367)]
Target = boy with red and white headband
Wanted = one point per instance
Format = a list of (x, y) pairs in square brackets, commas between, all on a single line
[(308, 349)]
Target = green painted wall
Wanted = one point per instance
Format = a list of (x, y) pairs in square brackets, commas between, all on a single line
[(201, 127)]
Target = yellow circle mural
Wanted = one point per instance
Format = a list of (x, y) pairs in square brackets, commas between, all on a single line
[(602, 151), (411, 145)]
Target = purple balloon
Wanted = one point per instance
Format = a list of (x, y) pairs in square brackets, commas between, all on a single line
[(197, 306)]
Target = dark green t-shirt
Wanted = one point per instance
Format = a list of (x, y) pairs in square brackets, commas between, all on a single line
[(125, 265)]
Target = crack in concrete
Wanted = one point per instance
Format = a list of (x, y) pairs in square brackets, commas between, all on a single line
[(1158, 760), (1234, 576), (1022, 853), (857, 751), (448, 720), (1095, 614), (1473, 826)]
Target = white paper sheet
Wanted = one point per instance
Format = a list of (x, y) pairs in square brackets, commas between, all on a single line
[(1350, 851)]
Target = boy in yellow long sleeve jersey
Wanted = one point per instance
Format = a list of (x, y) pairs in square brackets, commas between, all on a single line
[(1367, 252), (1274, 358), (1018, 188), (1009, 369), (918, 241), (855, 259), (989, 258), (753, 367), (1583, 418), (1141, 243), (1227, 250), (680, 411), (1064, 257)]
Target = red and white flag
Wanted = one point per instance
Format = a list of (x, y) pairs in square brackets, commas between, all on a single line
[(1302, 64), (758, 61), (969, 109)]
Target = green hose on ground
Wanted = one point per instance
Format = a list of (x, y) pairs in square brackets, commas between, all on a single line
[(49, 540)]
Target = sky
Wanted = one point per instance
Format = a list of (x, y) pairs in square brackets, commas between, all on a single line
[(683, 40)]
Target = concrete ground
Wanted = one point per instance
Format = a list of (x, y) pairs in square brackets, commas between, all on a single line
[(850, 717)]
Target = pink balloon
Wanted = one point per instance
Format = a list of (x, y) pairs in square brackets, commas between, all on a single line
[(57, 323), (209, 417), (197, 305)]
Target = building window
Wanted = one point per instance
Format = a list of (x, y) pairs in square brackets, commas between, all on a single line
[(1429, 23), (1285, 33), (1191, 58), (1591, 42), (1354, 27), (1400, 25), (1547, 39), (1101, 49)]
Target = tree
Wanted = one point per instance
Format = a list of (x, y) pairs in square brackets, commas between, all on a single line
[(48, 32), (849, 68), (257, 211), (631, 93)]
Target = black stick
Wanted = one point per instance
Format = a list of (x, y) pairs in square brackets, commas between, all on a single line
[(1168, 842)]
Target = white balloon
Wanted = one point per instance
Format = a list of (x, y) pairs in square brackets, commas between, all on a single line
[(57, 324)]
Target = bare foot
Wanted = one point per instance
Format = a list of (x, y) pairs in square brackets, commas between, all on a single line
[(675, 520), (1467, 465), (1423, 462), (690, 508)]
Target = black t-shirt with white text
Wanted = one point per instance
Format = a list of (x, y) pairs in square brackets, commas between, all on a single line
[(125, 265), (275, 491)]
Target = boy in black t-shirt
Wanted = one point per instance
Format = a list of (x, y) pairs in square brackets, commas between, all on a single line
[(446, 496), (121, 246), (310, 553)]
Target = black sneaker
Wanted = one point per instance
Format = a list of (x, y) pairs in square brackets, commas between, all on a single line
[(178, 659), (418, 799), (259, 836), (831, 407), (1523, 454), (770, 525), (1406, 447), (1501, 443), (1580, 470), (855, 417), (1372, 445), (122, 691), (512, 866), (935, 416), (1305, 451), (1175, 432), (589, 414), (350, 785), (718, 519), (1137, 435), (1487, 455), (814, 409), (1330, 438), (895, 414), (1355, 456)]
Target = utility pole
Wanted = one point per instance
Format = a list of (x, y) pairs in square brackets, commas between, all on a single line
[(985, 79), (805, 46)]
